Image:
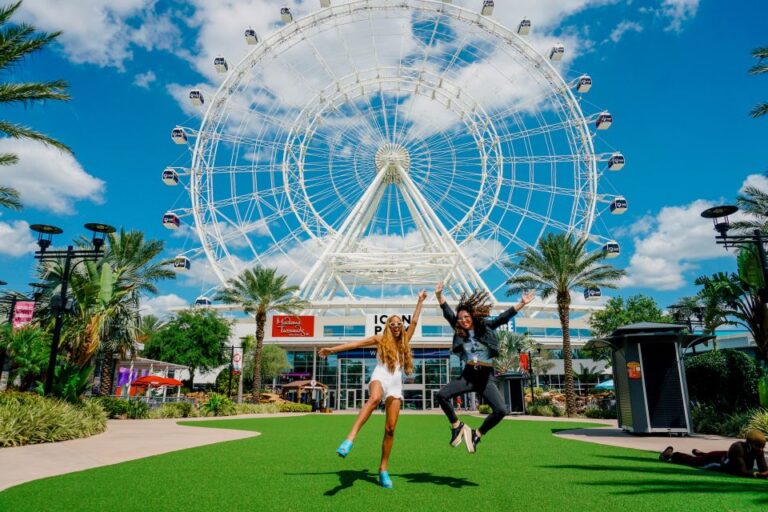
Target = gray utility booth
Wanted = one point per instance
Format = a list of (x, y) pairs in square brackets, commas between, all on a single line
[(649, 376), (512, 388)]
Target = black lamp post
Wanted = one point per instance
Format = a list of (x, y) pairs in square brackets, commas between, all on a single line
[(44, 239), (719, 216)]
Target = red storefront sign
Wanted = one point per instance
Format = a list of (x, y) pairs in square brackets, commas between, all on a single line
[(22, 313), (290, 326), (524, 362)]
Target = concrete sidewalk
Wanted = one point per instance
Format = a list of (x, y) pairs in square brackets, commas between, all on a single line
[(122, 441)]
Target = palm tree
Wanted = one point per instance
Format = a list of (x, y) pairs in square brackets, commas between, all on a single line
[(261, 291), (560, 265), (758, 69), (18, 41)]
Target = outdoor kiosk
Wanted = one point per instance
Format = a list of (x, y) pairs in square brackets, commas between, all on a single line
[(512, 384), (649, 376)]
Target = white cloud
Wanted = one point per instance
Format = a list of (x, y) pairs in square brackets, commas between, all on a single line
[(48, 179), (16, 239), (144, 79), (758, 181), (678, 239), (679, 11), (162, 305), (624, 27)]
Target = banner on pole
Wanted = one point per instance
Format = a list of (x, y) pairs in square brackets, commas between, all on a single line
[(237, 360), (23, 312)]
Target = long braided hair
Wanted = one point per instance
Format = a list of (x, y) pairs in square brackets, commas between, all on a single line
[(478, 305)]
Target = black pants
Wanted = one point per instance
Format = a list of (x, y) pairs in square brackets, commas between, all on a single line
[(481, 381)]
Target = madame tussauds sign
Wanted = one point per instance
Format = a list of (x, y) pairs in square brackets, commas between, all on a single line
[(292, 326)]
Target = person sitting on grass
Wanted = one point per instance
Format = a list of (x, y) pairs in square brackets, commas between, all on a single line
[(394, 356), (739, 460)]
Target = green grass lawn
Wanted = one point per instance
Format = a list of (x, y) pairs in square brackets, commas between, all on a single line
[(292, 466)]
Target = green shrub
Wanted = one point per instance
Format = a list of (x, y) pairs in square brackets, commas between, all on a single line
[(759, 420), (596, 412), (293, 407), (707, 419), (724, 379), (541, 410), (218, 405), (137, 410), (114, 407), (256, 408), (484, 409), (173, 410), (27, 418), (70, 382)]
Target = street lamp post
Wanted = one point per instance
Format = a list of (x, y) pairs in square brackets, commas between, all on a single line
[(44, 239), (719, 216)]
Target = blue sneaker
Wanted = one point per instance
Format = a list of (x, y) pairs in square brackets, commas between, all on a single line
[(345, 448), (384, 479)]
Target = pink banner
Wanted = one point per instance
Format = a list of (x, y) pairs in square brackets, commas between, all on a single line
[(22, 313)]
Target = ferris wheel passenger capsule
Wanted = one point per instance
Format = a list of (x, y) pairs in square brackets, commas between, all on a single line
[(250, 36), (619, 205), (524, 28), (557, 52), (285, 14), (171, 220), (178, 136), (487, 9), (196, 98), (202, 302), (616, 162), (181, 264), (220, 63), (325, 3), (584, 84), (612, 249), (170, 177), (593, 293), (604, 120)]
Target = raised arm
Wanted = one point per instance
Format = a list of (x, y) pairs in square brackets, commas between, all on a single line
[(448, 313), (504, 317), (370, 341), (416, 313)]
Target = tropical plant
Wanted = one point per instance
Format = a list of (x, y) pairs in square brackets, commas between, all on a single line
[(753, 204), (28, 349), (758, 69), (725, 379), (137, 410), (218, 405), (742, 303), (560, 265), (69, 383), (17, 42), (260, 291), (27, 418), (511, 345), (194, 339), (759, 421)]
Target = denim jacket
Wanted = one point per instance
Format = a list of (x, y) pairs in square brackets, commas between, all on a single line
[(485, 336)]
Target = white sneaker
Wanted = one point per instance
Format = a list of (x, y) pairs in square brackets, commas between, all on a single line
[(468, 439)]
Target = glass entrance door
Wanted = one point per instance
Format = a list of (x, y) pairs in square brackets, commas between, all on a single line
[(351, 402)]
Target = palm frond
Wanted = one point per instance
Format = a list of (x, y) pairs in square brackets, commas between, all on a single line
[(759, 110), (18, 131), (760, 53), (33, 91), (8, 159), (9, 198)]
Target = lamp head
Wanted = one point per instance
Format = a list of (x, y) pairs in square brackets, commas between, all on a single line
[(100, 232), (45, 234), (719, 216)]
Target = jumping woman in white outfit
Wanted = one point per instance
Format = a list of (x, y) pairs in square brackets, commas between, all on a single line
[(393, 353)]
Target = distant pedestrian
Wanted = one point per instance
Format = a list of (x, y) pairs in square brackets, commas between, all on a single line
[(458, 403)]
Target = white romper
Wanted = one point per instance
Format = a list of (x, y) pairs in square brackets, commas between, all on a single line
[(391, 383)]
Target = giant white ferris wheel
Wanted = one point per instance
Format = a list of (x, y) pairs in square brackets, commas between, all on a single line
[(373, 147)]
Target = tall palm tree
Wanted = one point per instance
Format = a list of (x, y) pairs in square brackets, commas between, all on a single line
[(758, 69), (260, 291), (558, 266), (18, 41)]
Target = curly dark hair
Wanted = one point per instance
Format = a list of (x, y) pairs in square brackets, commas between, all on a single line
[(479, 306)]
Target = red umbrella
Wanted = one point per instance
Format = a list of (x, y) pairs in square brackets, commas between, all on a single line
[(155, 380)]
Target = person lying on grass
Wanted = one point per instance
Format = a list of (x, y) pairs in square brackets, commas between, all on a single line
[(393, 354), (739, 460)]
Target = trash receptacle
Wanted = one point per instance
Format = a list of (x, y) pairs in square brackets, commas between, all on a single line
[(512, 384), (649, 376)]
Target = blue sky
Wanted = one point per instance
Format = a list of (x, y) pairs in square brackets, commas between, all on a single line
[(673, 73)]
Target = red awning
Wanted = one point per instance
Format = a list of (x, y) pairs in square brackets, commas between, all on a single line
[(155, 380)]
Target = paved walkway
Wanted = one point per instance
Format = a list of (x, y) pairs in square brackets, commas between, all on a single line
[(127, 440), (122, 441)]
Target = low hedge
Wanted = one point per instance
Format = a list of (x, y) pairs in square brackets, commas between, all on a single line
[(294, 407), (174, 410), (598, 413), (28, 418)]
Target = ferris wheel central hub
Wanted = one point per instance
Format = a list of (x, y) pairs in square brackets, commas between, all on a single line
[(392, 159)]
